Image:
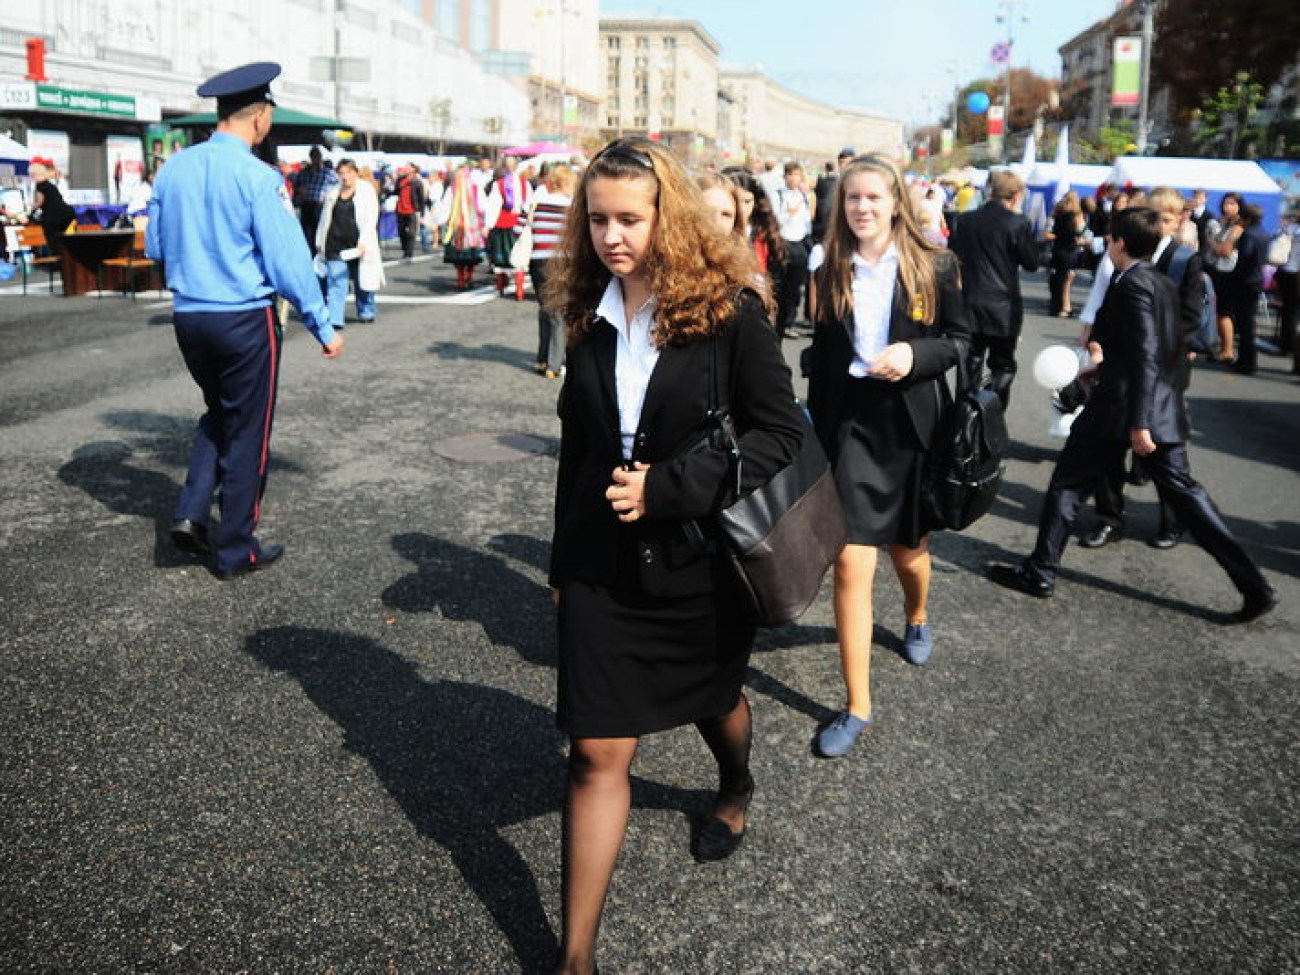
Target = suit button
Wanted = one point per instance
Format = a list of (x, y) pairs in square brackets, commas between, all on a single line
[(647, 556)]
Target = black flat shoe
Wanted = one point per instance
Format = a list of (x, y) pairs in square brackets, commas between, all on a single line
[(1100, 536), (190, 537), (1019, 578), (269, 555), (1256, 605), (1166, 540), (715, 841)]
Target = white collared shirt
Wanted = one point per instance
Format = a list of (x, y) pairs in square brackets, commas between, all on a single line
[(873, 302), (635, 359)]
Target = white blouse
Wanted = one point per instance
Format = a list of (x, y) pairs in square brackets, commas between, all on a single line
[(635, 359), (873, 302)]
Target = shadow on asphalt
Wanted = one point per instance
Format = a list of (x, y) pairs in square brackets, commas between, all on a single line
[(491, 352), (462, 761), (101, 470), (466, 584)]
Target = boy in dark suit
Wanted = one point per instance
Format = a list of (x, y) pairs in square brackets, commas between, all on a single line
[(993, 243), (1138, 403)]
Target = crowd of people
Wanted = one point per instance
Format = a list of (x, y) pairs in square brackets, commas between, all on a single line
[(664, 298)]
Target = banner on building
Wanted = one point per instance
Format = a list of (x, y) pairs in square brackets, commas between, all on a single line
[(1127, 83), (945, 142)]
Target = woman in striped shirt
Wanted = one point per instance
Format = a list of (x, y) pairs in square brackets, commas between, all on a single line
[(550, 209)]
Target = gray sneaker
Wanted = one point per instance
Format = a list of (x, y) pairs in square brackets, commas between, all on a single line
[(918, 643), (838, 736)]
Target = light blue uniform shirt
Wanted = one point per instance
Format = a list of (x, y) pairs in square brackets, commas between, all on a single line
[(219, 222)]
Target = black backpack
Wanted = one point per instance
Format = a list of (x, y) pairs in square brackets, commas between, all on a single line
[(966, 460)]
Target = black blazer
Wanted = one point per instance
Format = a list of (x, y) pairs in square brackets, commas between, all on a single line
[(1138, 384), (935, 349), (992, 244), (655, 553), (1191, 302)]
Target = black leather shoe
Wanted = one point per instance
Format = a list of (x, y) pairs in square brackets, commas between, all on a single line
[(1101, 535), (1166, 540), (715, 840), (269, 555), (1256, 605), (191, 537), (1021, 579)]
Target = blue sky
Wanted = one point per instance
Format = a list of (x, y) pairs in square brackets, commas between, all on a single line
[(892, 56)]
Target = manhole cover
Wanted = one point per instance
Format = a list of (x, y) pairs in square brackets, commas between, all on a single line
[(489, 448)]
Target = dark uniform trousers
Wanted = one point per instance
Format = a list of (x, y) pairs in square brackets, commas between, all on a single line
[(1083, 462), (235, 359), (1110, 498)]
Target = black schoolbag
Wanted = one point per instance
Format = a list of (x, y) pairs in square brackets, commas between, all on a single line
[(967, 457)]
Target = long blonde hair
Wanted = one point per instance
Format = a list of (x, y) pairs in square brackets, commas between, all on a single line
[(916, 255), (695, 273)]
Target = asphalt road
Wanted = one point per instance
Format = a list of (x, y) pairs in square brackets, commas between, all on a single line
[(349, 763)]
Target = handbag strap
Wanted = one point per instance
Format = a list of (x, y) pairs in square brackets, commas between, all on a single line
[(719, 414)]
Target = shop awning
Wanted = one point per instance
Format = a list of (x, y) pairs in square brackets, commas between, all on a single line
[(283, 117)]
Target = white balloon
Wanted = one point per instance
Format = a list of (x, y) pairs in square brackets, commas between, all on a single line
[(1056, 366)]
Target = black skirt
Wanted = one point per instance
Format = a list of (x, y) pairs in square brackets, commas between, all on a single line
[(879, 466), (632, 664)]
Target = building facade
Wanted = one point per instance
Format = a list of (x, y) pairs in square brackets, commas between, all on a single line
[(760, 119), (423, 71), (661, 81), (1087, 73), (565, 80)]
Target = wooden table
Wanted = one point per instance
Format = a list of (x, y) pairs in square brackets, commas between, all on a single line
[(82, 253)]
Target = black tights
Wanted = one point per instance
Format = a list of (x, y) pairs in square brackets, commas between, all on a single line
[(597, 803)]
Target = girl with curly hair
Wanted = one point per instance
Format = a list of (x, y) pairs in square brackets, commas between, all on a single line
[(653, 630), (890, 322)]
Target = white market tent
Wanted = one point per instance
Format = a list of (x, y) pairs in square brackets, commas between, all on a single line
[(1042, 182), (1215, 176)]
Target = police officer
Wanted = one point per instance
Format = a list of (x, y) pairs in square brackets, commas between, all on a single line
[(220, 224)]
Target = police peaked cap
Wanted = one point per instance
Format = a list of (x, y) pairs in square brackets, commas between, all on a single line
[(238, 87)]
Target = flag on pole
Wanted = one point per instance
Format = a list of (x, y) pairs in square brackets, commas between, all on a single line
[(1031, 153), (1063, 163), (1127, 77)]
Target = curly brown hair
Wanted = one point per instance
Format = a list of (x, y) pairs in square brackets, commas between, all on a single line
[(695, 273), (917, 257)]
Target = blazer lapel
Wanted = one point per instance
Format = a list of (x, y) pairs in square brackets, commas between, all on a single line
[(604, 348), (665, 377)]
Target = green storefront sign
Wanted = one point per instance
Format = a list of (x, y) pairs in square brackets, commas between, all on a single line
[(84, 102)]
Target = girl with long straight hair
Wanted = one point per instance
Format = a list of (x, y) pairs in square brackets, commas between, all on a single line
[(890, 322)]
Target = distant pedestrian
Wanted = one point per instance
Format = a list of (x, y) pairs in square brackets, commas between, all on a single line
[(348, 240), (219, 222), (794, 206), (993, 244), (759, 227), (463, 238), (1065, 235), (551, 204), (310, 187)]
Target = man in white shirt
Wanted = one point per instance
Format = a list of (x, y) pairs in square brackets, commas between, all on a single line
[(794, 209)]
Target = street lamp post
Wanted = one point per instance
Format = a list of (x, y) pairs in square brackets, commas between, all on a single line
[(1008, 10), (1148, 36)]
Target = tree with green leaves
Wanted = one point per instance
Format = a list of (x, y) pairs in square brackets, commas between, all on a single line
[(1201, 45), (1225, 117)]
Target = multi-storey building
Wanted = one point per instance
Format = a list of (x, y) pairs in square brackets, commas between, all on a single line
[(565, 79), (1087, 73), (759, 118), (415, 73), (663, 79)]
